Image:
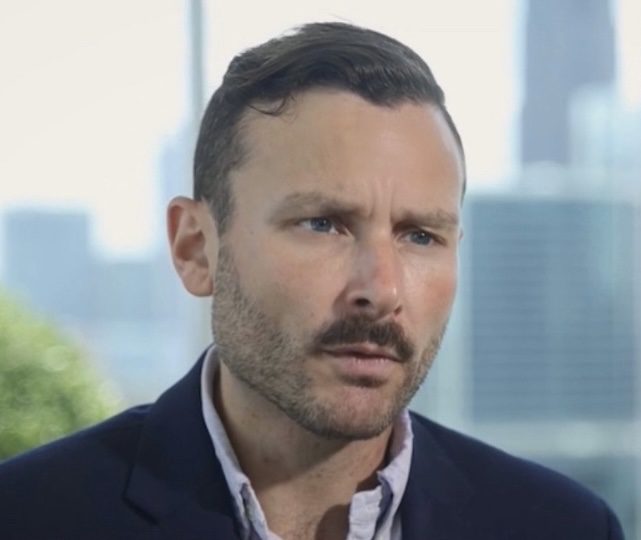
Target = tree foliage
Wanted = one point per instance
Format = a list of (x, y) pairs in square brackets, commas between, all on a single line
[(48, 387)]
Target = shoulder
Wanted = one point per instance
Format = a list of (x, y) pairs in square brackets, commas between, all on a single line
[(485, 465), (502, 488), (71, 479), (111, 437)]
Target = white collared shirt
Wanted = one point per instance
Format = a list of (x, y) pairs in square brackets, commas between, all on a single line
[(373, 514)]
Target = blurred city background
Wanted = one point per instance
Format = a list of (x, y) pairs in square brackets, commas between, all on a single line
[(99, 106)]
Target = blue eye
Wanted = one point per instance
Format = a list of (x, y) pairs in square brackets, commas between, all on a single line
[(319, 224), (421, 237)]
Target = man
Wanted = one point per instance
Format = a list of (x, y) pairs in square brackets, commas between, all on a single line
[(329, 178)]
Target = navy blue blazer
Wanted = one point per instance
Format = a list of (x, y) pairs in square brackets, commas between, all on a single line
[(151, 473)]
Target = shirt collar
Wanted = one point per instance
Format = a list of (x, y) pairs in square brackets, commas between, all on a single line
[(246, 504)]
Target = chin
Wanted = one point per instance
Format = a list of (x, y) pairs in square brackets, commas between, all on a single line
[(351, 417)]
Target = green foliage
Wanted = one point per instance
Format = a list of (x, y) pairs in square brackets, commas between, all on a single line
[(47, 385)]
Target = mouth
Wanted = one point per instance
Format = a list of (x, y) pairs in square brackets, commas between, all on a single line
[(363, 365), (363, 351)]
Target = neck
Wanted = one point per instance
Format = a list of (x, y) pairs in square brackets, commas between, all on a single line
[(292, 470)]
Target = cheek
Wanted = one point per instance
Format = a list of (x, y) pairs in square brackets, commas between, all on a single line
[(432, 292), (296, 293)]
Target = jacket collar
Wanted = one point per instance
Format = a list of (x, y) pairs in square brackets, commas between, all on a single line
[(437, 490), (176, 478)]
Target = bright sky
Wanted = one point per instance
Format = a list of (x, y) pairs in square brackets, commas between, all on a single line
[(91, 90)]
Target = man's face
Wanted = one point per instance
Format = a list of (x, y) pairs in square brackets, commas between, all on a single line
[(337, 274)]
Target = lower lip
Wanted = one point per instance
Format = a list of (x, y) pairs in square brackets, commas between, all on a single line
[(364, 367)]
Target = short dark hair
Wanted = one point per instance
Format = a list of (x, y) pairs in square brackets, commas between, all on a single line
[(265, 78)]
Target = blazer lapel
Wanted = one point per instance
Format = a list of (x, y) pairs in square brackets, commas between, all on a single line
[(433, 505), (176, 478)]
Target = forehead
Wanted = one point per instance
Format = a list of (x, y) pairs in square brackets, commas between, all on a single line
[(337, 139)]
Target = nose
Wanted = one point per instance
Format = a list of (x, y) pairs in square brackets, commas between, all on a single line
[(373, 288)]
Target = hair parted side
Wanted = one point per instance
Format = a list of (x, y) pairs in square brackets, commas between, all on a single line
[(265, 78)]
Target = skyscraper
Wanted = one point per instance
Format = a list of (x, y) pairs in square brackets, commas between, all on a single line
[(569, 45), (48, 261), (552, 309)]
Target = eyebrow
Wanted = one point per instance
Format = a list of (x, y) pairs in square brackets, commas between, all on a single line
[(327, 204), (437, 219)]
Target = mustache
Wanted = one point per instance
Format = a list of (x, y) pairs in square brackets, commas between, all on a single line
[(354, 330)]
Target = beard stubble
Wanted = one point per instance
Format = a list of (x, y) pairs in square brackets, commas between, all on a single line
[(260, 353)]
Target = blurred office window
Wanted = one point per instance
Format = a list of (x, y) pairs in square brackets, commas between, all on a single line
[(543, 354)]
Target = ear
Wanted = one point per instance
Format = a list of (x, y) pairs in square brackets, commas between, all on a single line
[(193, 241)]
